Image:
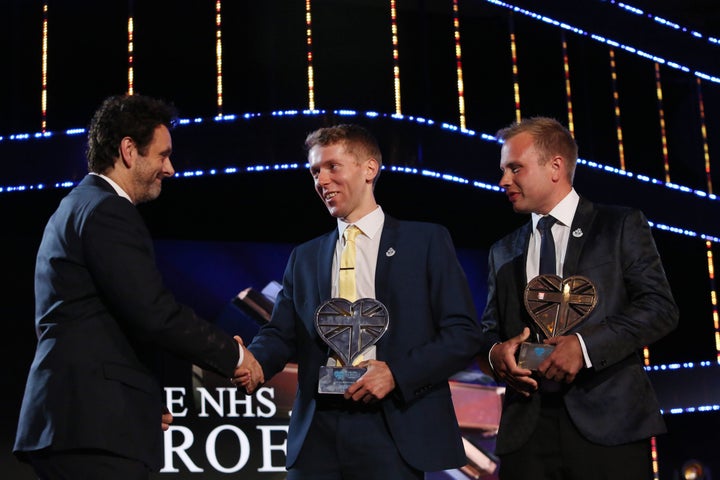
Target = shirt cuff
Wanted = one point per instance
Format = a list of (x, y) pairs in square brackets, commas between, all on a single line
[(490, 361), (586, 357), (242, 355)]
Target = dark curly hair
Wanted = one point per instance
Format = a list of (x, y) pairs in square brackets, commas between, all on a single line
[(120, 116)]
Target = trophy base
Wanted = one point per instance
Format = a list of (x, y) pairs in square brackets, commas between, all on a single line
[(531, 355), (338, 379)]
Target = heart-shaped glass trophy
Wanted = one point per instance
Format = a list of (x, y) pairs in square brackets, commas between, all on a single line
[(348, 329), (556, 306)]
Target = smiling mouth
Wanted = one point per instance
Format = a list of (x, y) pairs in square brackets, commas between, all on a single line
[(329, 196)]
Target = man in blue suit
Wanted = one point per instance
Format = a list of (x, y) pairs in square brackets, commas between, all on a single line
[(589, 410), (397, 421), (92, 407)]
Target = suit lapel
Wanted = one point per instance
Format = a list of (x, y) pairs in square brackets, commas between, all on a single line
[(388, 242), (582, 221), (520, 249), (324, 266)]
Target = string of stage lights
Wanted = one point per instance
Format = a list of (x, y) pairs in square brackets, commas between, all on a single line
[(516, 85), (460, 91), (568, 90), (664, 22), (310, 70), (40, 136), (607, 41), (189, 174), (709, 239), (458, 64), (675, 367), (396, 57), (461, 129), (616, 107), (611, 44), (458, 57)]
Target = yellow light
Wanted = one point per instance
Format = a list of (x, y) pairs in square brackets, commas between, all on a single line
[(693, 470)]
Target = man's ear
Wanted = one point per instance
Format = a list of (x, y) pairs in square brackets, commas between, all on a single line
[(557, 163), (128, 149), (372, 170)]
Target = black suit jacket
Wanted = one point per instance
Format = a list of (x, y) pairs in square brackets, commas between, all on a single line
[(100, 307), (613, 402), (433, 332)]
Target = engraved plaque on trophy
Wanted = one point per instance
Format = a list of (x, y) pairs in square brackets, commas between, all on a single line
[(556, 305), (349, 329)]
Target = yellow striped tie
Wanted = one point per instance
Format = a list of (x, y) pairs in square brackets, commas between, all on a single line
[(346, 279)]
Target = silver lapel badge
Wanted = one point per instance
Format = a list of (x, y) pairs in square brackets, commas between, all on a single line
[(390, 252), (577, 233)]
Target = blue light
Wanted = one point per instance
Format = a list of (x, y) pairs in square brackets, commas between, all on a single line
[(602, 39), (419, 120)]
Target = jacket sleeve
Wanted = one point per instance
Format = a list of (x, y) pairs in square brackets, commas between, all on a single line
[(120, 258)]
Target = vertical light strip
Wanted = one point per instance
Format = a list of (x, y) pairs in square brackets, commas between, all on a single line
[(43, 93), (713, 298), (311, 74), (616, 105), (130, 55), (703, 131), (396, 57), (654, 456), (568, 91), (661, 113), (218, 56), (516, 84), (458, 63)]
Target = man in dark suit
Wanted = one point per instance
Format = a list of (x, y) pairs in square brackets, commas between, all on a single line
[(92, 408), (397, 421), (589, 411)]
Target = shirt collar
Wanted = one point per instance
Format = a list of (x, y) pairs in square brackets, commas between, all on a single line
[(370, 224), (564, 212), (115, 186)]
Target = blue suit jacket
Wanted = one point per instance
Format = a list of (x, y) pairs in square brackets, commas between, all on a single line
[(101, 311), (433, 333), (612, 402)]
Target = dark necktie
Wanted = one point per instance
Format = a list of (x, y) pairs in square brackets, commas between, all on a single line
[(547, 267), (547, 245)]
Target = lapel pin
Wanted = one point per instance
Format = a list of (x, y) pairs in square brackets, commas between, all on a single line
[(390, 252), (577, 233)]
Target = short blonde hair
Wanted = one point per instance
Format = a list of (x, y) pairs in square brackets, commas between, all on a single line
[(550, 138)]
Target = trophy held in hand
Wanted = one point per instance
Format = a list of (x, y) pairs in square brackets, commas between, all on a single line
[(349, 329), (556, 306)]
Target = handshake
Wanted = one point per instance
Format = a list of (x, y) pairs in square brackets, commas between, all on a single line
[(249, 374)]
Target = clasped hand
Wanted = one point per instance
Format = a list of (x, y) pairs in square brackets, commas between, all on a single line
[(374, 385), (249, 374), (562, 365)]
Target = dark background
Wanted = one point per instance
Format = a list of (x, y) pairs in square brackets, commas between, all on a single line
[(249, 212)]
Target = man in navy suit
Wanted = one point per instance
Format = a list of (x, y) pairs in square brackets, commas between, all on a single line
[(92, 408), (589, 410), (397, 421)]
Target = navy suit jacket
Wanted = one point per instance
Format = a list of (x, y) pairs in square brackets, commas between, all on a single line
[(433, 332), (613, 402), (101, 312)]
